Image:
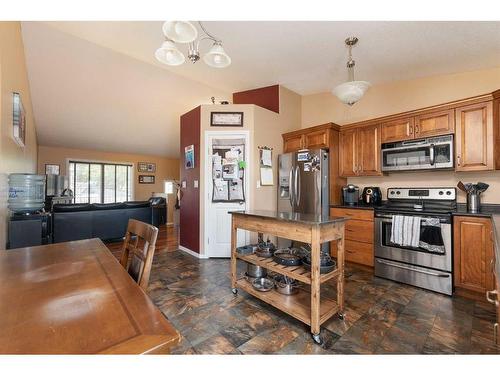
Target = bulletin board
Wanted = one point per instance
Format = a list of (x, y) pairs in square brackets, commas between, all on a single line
[(228, 170)]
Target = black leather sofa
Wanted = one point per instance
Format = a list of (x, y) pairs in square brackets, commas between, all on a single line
[(107, 221)]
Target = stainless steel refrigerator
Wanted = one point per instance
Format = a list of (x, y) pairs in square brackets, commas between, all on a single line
[(303, 184)]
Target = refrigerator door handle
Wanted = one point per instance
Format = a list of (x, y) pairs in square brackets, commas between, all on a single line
[(297, 180), (290, 187)]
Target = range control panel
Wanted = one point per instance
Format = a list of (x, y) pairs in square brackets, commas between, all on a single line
[(449, 194)]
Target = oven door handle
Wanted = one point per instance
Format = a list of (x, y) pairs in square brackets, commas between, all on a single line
[(412, 269), (431, 154), (388, 219)]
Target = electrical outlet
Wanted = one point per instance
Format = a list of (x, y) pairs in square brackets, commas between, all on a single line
[(258, 184)]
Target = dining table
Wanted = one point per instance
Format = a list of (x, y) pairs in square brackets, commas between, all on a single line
[(75, 298)]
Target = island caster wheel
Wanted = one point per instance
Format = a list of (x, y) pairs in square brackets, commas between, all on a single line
[(317, 339), (341, 316), (235, 291)]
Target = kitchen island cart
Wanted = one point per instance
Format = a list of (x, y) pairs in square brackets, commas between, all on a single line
[(307, 306)]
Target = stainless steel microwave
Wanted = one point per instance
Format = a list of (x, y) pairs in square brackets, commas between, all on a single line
[(428, 153)]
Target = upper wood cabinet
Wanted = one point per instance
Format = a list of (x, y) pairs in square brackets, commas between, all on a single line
[(293, 142), (369, 151), (473, 253), (317, 139), (348, 153), (430, 124), (360, 152), (397, 130), (425, 124), (474, 141)]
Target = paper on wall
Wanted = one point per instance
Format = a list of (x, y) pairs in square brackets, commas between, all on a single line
[(266, 158), (266, 176)]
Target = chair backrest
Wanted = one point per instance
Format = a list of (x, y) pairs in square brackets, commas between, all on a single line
[(140, 249)]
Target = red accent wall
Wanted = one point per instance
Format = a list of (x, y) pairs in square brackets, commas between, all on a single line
[(266, 97), (189, 220)]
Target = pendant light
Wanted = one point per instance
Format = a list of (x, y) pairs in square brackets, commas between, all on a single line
[(216, 57), (169, 54), (352, 91), (180, 31), (186, 32)]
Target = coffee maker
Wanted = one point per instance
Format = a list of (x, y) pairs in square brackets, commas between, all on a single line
[(350, 195)]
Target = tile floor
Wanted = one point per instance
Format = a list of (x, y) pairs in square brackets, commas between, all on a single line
[(382, 316)]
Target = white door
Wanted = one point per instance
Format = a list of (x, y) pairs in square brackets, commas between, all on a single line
[(217, 217)]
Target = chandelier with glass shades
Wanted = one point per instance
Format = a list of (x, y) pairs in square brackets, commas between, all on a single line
[(352, 91), (184, 32)]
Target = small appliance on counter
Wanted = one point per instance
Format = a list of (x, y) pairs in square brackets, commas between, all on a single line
[(371, 196), (350, 195), (473, 194)]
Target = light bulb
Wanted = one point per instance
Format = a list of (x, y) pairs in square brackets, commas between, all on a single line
[(217, 59)]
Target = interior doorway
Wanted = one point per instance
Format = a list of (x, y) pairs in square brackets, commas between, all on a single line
[(227, 171)]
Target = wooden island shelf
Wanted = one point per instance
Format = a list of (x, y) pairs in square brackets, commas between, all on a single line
[(307, 305)]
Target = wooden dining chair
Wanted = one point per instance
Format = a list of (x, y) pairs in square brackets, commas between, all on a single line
[(139, 245)]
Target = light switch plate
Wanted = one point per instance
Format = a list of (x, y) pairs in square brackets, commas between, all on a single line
[(258, 184), (183, 184), (195, 183)]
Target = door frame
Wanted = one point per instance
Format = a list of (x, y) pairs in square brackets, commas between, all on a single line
[(207, 168)]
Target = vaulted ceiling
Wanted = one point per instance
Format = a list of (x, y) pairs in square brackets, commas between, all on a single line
[(97, 84)]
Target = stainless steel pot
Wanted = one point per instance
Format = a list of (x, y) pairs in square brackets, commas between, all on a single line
[(256, 271), (286, 285)]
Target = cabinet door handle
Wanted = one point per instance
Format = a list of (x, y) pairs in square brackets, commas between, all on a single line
[(458, 160), (417, 130), (410, 129), (491, 299)]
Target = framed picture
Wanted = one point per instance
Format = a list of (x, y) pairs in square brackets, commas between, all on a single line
[(189, 156), (145, 167), (18, 120), (226, 118), (144, 179), (52, 169)]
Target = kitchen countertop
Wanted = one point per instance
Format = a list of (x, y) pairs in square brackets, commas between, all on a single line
[(292, 216), (357, 206), (487, 210)]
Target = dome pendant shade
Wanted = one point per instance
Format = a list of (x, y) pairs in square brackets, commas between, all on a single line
[(169, 54), (350, 92), (216, 57), (180, 31)]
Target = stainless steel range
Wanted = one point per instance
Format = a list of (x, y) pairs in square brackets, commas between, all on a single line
[(425, 258)]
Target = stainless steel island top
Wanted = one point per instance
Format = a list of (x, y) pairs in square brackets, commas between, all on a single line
[(295, 217)]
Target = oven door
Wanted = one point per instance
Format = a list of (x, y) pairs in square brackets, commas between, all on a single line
[(418, 155), (384, 248)]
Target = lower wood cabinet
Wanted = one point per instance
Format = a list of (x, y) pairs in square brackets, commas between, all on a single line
[(473, 253), (358, 238)]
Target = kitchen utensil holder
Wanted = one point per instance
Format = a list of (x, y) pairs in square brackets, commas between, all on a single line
[(473, 202)]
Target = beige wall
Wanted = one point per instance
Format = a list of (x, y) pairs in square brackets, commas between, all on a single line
[(398, 97), (395, 97), (166, 169), (265, 128), (13, 78)]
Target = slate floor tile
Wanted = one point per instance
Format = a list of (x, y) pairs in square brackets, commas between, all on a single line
[(381, 316)]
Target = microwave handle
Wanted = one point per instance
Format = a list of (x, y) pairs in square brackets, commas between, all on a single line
[(431, 153)]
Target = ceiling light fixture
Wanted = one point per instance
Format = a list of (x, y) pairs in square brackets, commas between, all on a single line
[(185, 32), (352, 91)]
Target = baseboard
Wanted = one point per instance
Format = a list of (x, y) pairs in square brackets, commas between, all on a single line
[(192, 253)]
